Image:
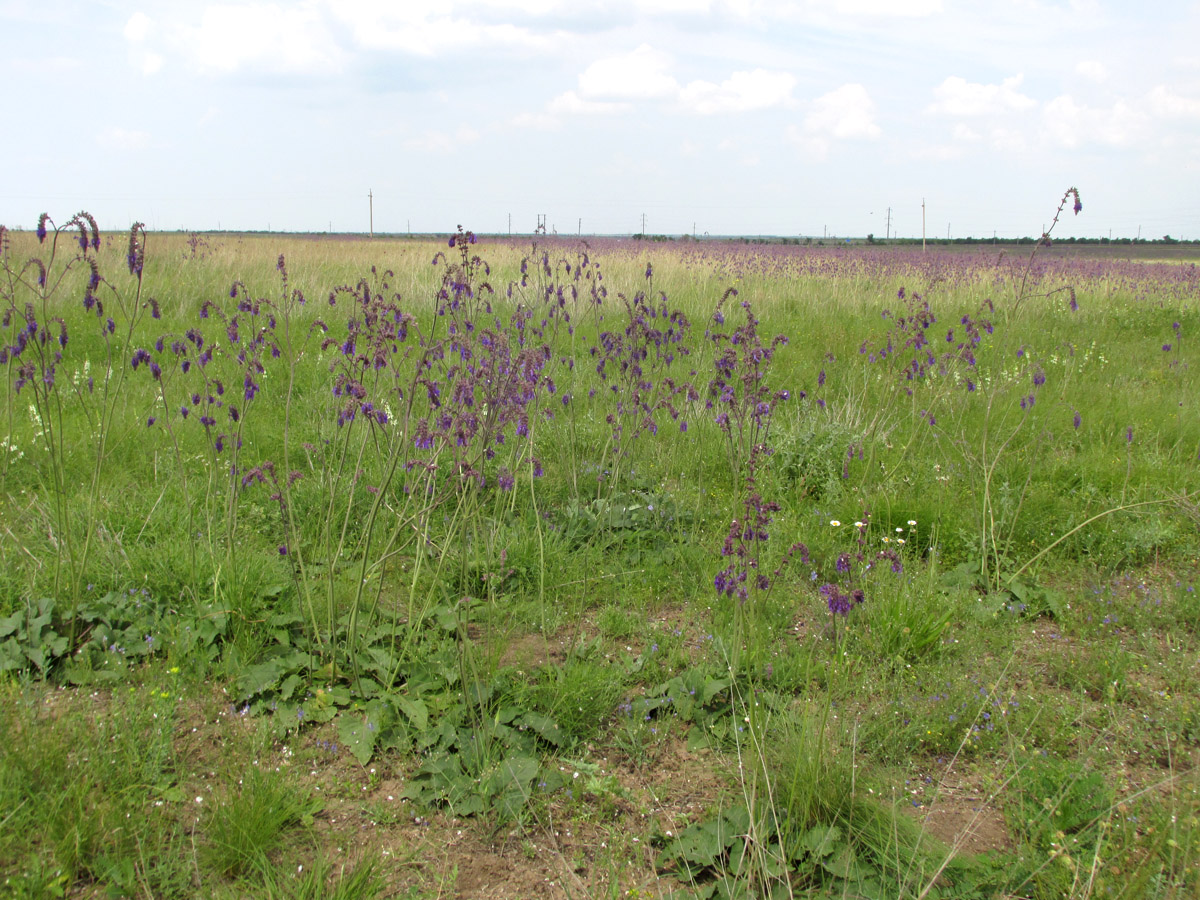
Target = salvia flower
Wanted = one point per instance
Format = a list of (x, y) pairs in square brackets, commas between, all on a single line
[(839, 604)]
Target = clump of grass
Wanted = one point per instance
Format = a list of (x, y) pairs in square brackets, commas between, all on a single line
[(244, 828)]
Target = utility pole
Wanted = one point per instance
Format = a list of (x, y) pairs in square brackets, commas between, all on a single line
[(644, 225), (371, 202), (510, 224), (579, 232), (889, 223), (693, 231), (947, 231), (922, 224)]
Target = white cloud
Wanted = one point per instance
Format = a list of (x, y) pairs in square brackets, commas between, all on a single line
[(965, 134), (1092, 70), (137, 28), (958, 97), (265, 37), (428, 29), (643, 74), (907, 8), (1168, 104), (847, 113), (571, 103), (740, 92), (633, 76), (1072, 124)]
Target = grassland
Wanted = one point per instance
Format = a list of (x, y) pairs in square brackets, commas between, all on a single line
[(549, 571)]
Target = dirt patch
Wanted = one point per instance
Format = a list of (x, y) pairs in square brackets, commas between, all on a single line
[(533, 651), (955, 810), (493, 875), (965, 822)]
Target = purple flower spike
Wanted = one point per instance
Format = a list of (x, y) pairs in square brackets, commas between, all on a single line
[(839, 604)]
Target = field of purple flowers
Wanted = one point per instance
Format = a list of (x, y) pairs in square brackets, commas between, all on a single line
[(844, 532)]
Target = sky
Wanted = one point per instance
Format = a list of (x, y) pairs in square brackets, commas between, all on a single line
[(781, 117)]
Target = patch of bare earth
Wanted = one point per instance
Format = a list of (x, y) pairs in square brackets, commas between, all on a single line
[(960, 815)]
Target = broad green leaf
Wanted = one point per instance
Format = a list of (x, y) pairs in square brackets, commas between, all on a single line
[(358, 733), (416, 712)]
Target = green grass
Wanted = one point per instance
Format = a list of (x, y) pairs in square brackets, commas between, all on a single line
[(570, 628)]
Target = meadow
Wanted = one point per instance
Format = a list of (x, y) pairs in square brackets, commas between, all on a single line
[(490, 567)]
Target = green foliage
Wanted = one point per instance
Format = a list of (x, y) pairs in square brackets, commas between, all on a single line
[(628, 524), (810, 459), (28, 638), (113, 631)]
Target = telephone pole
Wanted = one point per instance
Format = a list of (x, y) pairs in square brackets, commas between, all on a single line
[(922, 224), (371, 202), (889, 223), (643, 224)]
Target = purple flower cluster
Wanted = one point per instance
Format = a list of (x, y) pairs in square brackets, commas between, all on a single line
[(841, 603), (908, 336), (738, 394), (633, 362)]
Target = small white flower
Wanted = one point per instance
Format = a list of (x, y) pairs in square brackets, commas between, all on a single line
[(899, 530), (834, 522), (912, 521), (858, 524)]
